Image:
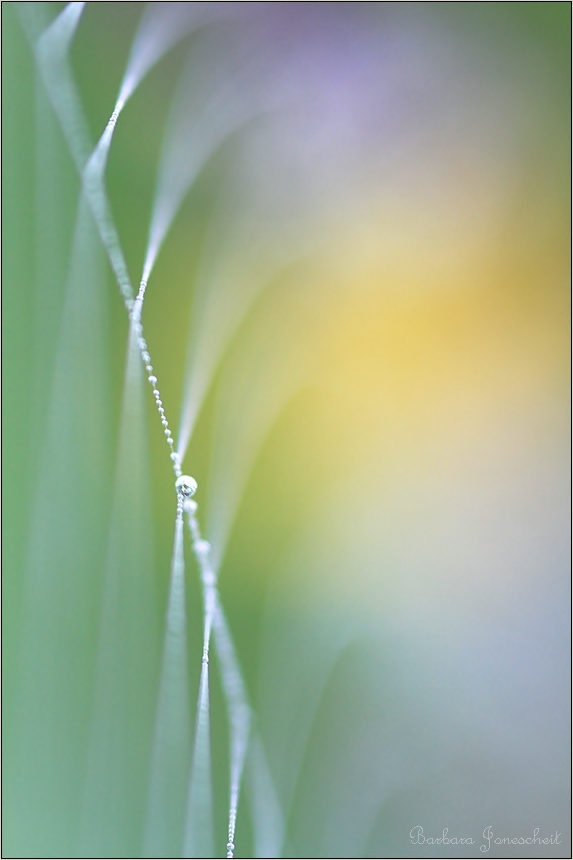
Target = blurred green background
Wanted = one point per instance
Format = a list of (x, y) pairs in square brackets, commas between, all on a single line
[(384, 441)]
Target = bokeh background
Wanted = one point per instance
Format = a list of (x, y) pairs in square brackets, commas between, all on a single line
[(359, 318)]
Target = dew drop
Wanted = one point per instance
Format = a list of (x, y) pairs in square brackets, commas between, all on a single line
[(186, 486), (202, 547)]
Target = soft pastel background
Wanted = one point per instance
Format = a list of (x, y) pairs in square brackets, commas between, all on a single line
[(361, 312)]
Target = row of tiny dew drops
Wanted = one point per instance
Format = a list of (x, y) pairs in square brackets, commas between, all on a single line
[(185, 487)]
